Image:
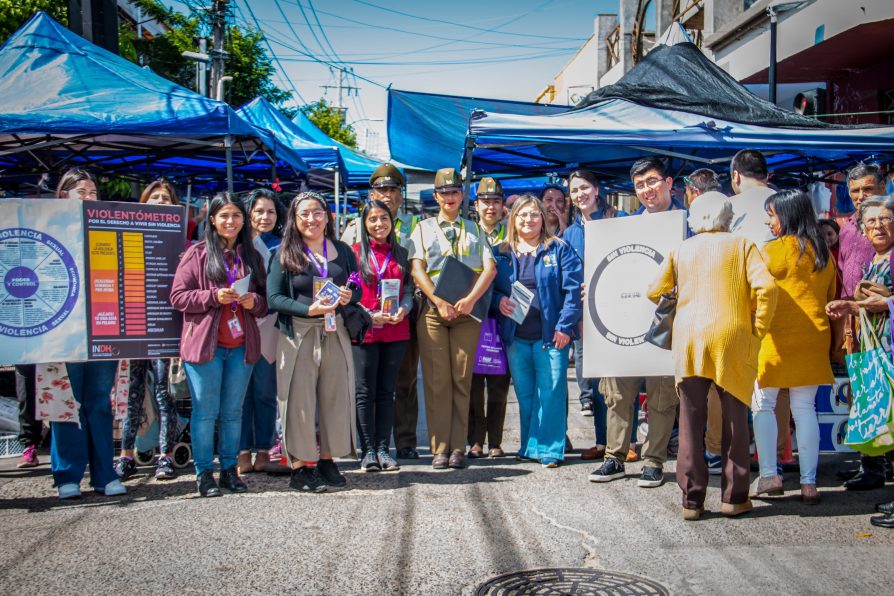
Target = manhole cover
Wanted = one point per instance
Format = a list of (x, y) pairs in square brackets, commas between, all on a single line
[(569, 581)]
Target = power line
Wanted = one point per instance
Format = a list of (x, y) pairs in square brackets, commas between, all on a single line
[(464, 25), (492, 60), (322, 31), (312, 32), (272, 53), (289, 23)]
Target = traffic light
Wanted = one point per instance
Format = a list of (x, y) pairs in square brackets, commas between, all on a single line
[(811, 102)]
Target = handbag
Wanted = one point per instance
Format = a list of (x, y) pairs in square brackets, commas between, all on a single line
[(490, 358), (661, 332), (178, 387), (870, 429), (357, 322)]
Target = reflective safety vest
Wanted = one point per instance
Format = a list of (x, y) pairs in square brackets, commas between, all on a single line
[(403, 228), (497, 238), (470, 245)]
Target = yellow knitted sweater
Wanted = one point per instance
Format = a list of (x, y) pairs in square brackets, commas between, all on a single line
[(725, 301), (795, 350)]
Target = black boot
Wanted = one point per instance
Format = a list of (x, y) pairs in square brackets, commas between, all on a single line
[(207, 486), (871, 475), (231, 481), (329, 473), (886, 508)]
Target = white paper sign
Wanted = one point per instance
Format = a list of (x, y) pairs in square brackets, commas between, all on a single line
[(622, 259)]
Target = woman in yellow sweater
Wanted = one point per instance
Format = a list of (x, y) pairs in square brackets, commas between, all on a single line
[(716, 337), (795, 351)]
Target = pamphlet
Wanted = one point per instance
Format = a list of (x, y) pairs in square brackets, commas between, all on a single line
[(389, 296), (241, 285), (329, 292), (521, 298)]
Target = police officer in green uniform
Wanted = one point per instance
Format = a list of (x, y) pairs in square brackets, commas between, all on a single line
[(386, 185), (448, 336), (487, 422)]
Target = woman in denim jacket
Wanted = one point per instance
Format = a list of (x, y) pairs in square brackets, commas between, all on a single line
[(538, 347)]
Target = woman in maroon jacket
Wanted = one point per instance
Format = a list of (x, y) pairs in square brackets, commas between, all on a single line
[(220, 341), (383, 265)]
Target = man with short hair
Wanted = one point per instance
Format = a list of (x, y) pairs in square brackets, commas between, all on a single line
[(699, 182), (748, 175), (386, 185), (553, 198), (653, 189), (486, 418), (854, 252)]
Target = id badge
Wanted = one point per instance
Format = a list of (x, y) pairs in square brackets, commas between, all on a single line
[(235, 328), (330, 322)]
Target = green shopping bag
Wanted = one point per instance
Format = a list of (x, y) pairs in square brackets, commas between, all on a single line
[(870, 429)]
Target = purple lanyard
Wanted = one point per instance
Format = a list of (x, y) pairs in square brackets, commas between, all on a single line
[(322, 268), (375, 262), (231, 279)]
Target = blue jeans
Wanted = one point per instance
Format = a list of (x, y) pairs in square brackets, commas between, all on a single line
[(73, 448), (259, 409), (589, 393), (217, 388), (539, 374)]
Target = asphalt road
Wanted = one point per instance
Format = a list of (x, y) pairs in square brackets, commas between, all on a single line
[(420, 531)]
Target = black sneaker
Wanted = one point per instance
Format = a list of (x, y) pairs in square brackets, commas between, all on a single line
[(611, 469), (125, 467), (651, 477), (307, 480), (370, 462), (328, 471), (165, 468), (230, 480), (386, 462), (206, 484)]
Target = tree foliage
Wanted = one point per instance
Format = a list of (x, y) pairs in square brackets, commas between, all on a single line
[(331, 121), (15, 13)]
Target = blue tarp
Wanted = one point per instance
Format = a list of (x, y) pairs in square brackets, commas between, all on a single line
[(358, 166), (608, 136), (263, 115), (62, 94), (428, 131)]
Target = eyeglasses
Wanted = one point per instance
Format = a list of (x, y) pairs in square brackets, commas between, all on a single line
[(875, 222), (86, 193), (651, 183), (529, 215), (316, 214)]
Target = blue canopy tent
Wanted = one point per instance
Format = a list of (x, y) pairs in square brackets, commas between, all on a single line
[(650, 113), (323, 160), (66, 102), (428, 131), (358, 167)]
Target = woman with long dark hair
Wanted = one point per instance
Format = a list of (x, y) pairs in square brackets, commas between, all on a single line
[(383, 263), (154, 374), (315, 375), (220, 342), (266, 216), (794, 353)]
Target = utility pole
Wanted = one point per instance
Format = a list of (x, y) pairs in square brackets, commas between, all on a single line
[(96, 21), (219, 12), (341, 87)]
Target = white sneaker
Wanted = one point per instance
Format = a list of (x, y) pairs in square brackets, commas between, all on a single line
[(114, 488), (69, 491)]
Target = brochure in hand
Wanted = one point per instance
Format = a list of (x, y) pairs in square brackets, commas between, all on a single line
[(521, 297), (389, 296), (329, 292)]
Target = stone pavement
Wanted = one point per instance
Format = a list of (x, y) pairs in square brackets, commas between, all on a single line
[(421, 531)]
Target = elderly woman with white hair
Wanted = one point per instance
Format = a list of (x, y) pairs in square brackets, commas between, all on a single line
[(725, 301)]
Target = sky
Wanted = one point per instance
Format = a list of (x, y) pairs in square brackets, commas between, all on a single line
[(503, 49)]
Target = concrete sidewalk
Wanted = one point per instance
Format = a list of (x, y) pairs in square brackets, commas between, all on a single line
[(421, 531)]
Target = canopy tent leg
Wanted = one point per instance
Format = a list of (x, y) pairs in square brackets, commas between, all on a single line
[(335, 188), (467, 179), (228, 145)]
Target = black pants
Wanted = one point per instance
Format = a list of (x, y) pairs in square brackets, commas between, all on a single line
[(31, 431), (155, 374), (486, 415), (375, 372)]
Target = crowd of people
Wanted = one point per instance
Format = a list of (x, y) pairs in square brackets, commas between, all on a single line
[(317, 356)]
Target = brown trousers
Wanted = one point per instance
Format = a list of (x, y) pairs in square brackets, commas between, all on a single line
[(715, 422), (692, 471), (406, 396), (488, 420), (661, 397), (447, 352)]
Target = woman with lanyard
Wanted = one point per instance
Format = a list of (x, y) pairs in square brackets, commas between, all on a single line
[(220, 342), (266, 216), (388, 296), (315, 374), (448, 336), (538, 346)]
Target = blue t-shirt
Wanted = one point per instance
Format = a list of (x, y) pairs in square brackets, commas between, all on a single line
[(531, 328)]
